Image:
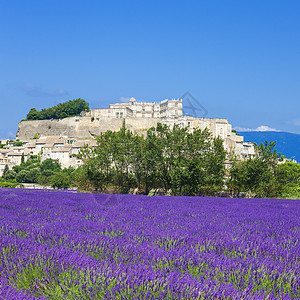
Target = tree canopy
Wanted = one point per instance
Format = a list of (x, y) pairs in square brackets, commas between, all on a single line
[(48, 173), (258, 175), (167, 158), (60, 111)]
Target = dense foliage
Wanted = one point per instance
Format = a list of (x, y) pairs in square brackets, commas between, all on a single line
[(263, 175), (183, 163), (167, 158), (288, 175), (62, 245), (257, 174), (11, 184), (60, 111), (47, 173)]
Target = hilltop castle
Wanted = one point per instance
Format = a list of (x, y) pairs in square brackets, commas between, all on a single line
[(139, 117), (133, 109)]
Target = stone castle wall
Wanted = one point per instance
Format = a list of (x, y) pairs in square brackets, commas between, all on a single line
[(80, 127)]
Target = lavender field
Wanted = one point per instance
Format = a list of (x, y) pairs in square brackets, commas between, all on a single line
[(65, 245)]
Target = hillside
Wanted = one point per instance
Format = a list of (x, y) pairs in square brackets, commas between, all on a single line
[(287, 143)]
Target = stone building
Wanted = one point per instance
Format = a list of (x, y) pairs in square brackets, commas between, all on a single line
[(133, 109), (138, 116)]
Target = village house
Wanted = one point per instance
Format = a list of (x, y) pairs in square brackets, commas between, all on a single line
[(31, 149), (4, 160)]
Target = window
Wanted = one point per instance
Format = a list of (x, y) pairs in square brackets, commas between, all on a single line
[(117, 115), (121, 115)]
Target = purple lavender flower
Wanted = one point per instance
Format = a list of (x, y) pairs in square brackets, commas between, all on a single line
[(64, 245)]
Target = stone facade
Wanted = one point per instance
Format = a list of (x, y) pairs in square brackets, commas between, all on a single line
[(133, 109), (139, 117), (59, 148)]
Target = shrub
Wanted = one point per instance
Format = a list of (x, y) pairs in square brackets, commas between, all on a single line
[(60, 181), (11, 185), (10, 175)]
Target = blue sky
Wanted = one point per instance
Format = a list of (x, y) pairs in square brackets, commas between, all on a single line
[(239, 59)]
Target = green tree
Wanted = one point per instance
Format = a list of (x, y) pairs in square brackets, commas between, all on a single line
[(44, 180), (33, 114), (28, 176), (6, 168), (98, 162), (23, 177), (10, 175), (50, 165), (168, 158), (216, 165), (17, 143), (80, 178), (289, 173), (62, 110), (256, 175), (22, 159), (235, 175), (33, 175), (60, 181), (137, 162)]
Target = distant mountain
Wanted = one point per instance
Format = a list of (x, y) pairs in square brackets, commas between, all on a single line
[(287, 143)]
